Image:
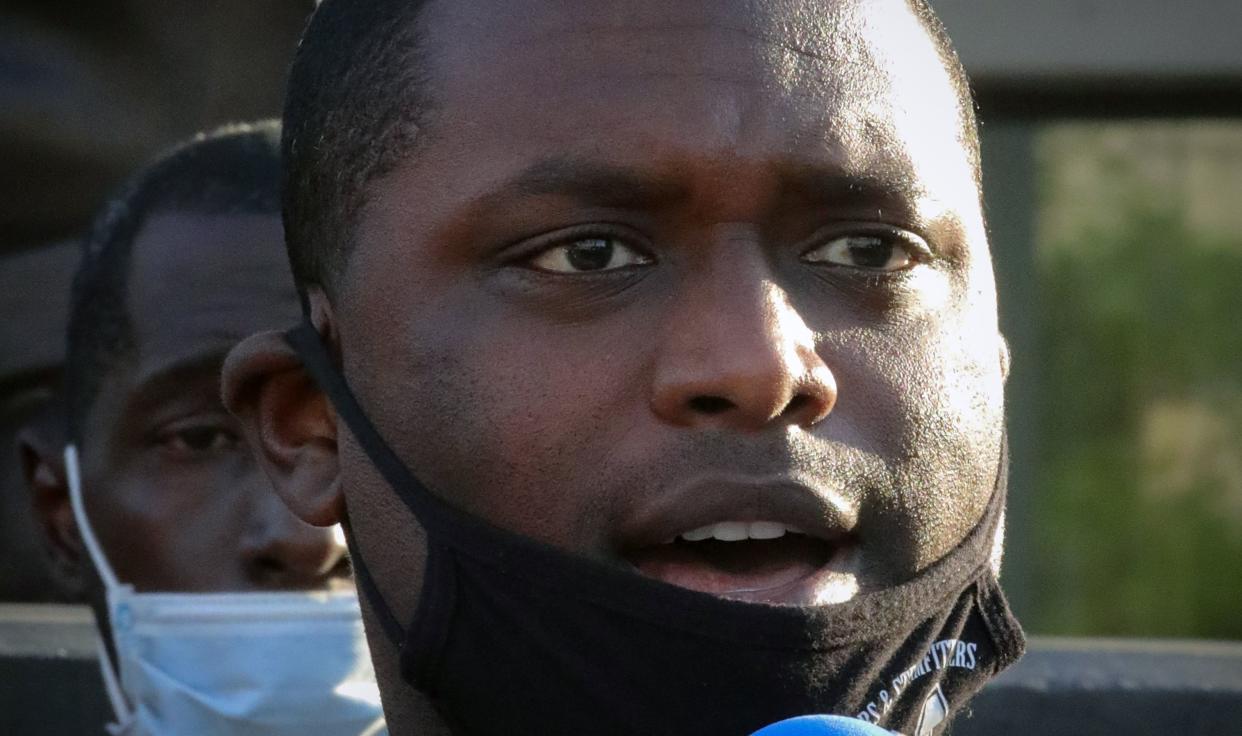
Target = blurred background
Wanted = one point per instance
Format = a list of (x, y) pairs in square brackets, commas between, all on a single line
[(1112, 134)]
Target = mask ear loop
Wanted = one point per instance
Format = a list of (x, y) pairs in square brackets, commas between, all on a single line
[(112, 684)]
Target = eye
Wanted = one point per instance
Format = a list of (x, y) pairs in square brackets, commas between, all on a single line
[(868, 252), (198, 439), (588, 255)]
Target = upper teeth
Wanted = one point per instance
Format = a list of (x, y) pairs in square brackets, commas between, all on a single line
[(736, 531)]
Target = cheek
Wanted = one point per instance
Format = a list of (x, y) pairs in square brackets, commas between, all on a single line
[(959, 431), (173, 530), (121, 511), (926, 397), (526, 415)]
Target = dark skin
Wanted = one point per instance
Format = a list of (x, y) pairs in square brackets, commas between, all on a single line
[(653, 269), (171, 489)]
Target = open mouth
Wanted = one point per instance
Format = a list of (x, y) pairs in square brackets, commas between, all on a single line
[(756, 561)]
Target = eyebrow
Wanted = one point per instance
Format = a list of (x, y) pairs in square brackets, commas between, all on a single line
[(607, 185), (826, 185), (155, 385), (595, 182)]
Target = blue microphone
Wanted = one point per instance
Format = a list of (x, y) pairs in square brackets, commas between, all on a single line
[(821, 726)]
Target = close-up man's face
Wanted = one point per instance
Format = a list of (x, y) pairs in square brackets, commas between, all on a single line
[(656, 278), (171, 490)]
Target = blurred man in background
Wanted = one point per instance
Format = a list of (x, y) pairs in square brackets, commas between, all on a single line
[(221, 611), (90, 93)]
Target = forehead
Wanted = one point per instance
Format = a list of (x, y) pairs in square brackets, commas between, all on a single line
[(856, 84), (199, 283)]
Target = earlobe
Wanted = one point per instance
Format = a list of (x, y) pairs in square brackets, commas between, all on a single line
[(289, 424)]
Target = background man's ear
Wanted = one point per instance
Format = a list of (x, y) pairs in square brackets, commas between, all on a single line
[(289, 424), (43, 468)]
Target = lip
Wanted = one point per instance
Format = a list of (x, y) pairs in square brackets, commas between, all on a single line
[(836, 582), (709, 500), (821, 514)]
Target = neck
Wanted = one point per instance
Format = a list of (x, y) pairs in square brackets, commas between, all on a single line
[(408, 711)]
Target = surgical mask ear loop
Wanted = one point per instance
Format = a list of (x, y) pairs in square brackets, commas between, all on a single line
[(112, 684)]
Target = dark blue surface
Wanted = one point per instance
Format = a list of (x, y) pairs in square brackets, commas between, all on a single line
[(821, 726)]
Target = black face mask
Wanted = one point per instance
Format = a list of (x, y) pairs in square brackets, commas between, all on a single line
[(513, 636)]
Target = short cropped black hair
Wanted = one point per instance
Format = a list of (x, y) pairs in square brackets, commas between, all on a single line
[(357, 97), (233, 170), (355, 102)]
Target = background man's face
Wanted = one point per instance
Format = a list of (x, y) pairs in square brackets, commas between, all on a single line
[(170, 488), (661, 266)]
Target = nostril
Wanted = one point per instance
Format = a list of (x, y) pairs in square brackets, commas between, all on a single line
[(342, 569), (796, 404), (268, 570), (710, 404)]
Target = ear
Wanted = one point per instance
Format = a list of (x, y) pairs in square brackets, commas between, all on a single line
[(43, 468), (1004, 358), (289, 424)]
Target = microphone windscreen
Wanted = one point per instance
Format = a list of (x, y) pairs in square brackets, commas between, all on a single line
[(821, 726)]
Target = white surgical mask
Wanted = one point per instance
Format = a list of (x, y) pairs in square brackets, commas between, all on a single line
[(232, 663)]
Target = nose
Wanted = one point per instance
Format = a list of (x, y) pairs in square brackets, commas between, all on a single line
[(281, 551), (736, 354)]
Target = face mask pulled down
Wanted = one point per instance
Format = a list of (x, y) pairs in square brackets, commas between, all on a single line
[(514, 636), (233, 664)]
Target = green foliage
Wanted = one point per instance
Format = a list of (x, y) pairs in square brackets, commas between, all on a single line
[(1139, 517)]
